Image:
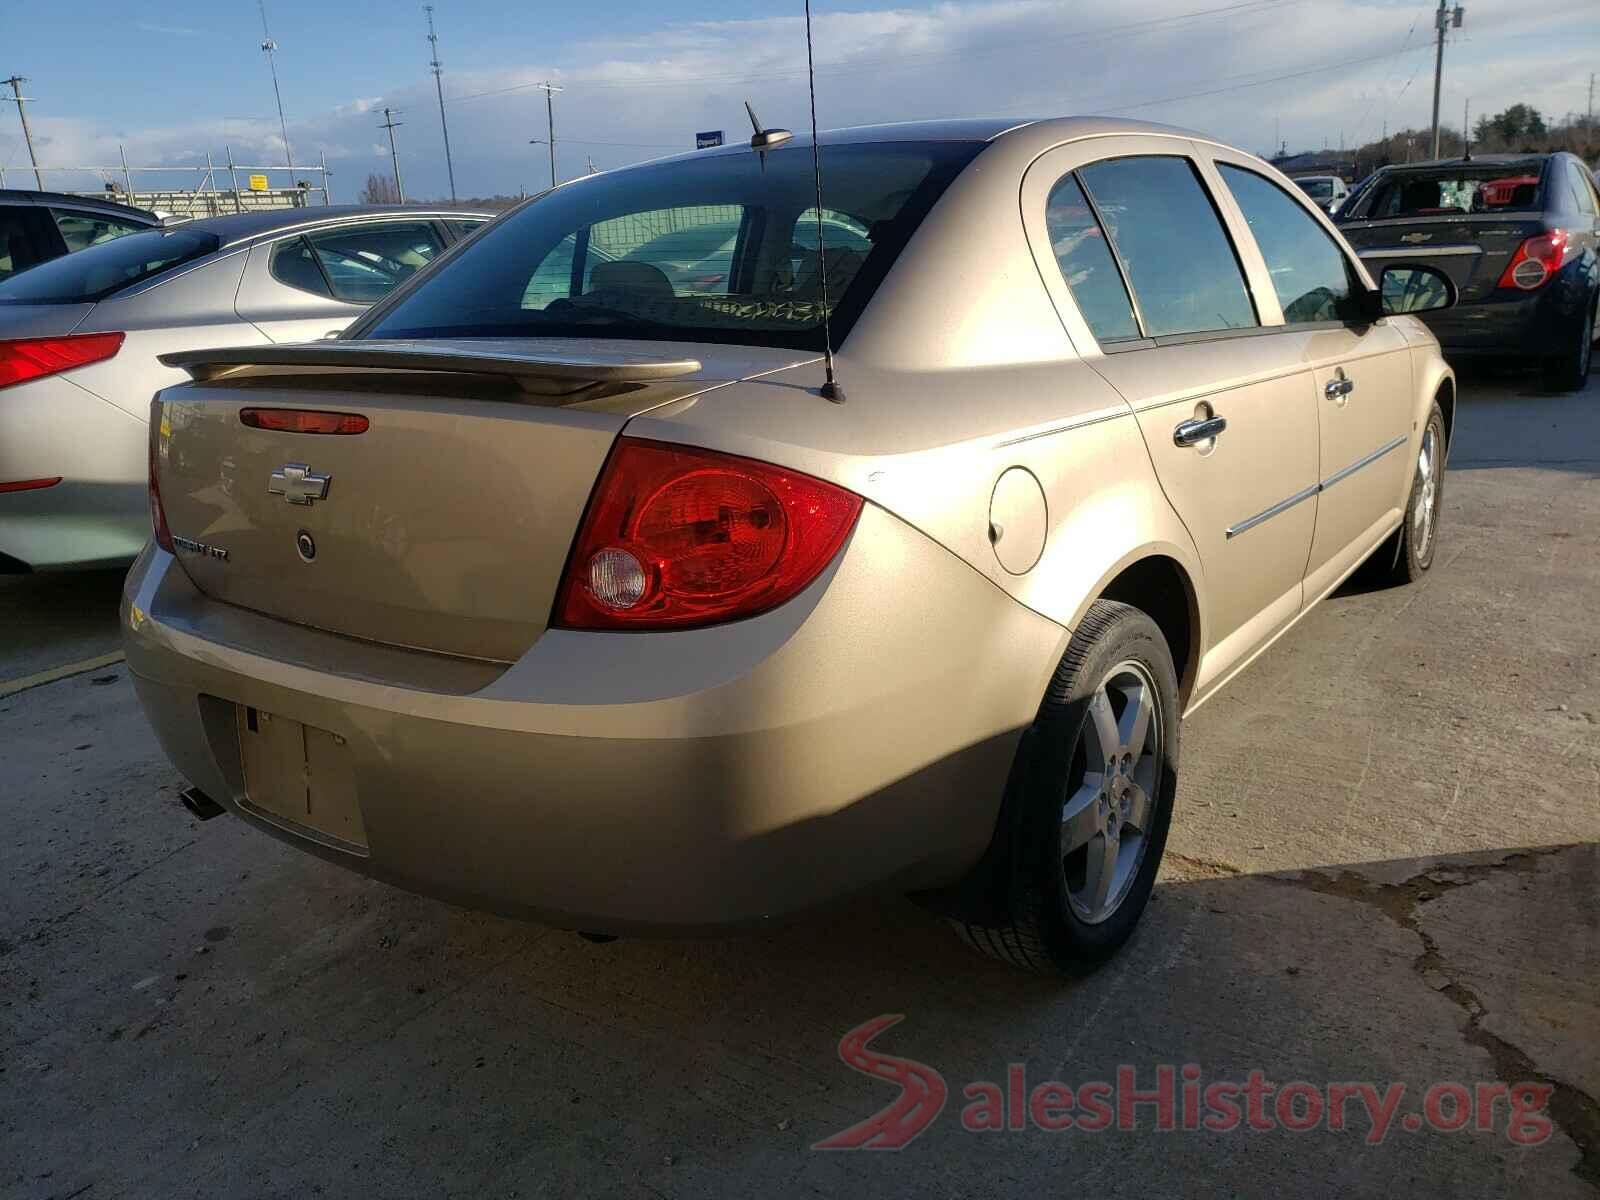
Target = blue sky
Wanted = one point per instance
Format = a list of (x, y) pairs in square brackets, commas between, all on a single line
[(174, 83)]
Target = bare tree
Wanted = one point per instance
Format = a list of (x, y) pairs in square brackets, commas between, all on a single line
[(380, 189)]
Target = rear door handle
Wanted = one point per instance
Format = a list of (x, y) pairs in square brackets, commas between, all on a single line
[(1339, 386), (1193, 432)]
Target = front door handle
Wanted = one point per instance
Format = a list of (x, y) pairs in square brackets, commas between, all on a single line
[(1192, 433), (1339, 386)]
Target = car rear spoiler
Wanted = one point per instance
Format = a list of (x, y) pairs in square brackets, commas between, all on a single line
[(565, 370)]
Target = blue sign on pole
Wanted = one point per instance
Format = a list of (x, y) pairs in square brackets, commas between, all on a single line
[(704, 141)]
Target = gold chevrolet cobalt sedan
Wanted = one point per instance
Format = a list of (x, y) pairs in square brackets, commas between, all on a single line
[(566, 584)]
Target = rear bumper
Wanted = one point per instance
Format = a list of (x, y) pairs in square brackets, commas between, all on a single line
[(1508, 323), (98, 515), (859, 736)]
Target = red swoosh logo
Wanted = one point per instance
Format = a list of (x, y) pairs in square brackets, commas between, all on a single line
[(921, 1099)]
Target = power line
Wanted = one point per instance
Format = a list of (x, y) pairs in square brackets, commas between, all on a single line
[(1343, 64)]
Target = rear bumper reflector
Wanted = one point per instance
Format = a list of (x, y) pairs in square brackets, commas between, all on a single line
[(29, 485)]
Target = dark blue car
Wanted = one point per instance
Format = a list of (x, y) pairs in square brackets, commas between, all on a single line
[(1519, 235)]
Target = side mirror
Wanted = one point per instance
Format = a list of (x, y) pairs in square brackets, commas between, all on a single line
[(1413, 288)]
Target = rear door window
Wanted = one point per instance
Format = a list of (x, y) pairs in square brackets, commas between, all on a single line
[(81, 230), (1171, 243), (364, 263), (1310, 274), (1086, 263)]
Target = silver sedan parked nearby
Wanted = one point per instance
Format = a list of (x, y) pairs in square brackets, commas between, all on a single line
[(80, 336)]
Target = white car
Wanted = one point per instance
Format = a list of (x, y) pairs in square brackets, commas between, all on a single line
[(80, 336)]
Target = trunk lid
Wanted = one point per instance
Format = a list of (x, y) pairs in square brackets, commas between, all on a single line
[(445, 524), (1472, 248)]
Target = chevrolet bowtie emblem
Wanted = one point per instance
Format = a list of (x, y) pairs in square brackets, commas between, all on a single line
[(298, 484), (1414, 238)]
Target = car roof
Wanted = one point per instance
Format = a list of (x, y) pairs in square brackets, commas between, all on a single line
[(236, 228), (67, 199), (1477, 160), (1048, 130)]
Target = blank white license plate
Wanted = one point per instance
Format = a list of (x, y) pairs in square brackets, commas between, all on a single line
[(300, 775)]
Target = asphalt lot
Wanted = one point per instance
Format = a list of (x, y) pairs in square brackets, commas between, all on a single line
[(1385, 868)]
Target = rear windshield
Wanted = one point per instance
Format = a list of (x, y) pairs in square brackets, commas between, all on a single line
[(97, 272), (716, 249), (1486, 189)]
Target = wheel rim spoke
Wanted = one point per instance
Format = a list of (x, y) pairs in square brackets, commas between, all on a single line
[(1134, 724), (1136, 808), (1081, 818), (1101, 872), (1102, 729)]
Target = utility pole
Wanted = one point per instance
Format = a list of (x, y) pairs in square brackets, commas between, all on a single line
[(270, 48), (550, 91), (438, 85), (391, 125), (17, 98), (1466, 128), (1442, 20), (593, 170), (1588, 121)]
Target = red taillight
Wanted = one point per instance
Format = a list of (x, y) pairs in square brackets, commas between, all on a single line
[(677, 537), (302, 420), (1537, 259), (30, 485), (22, 359), (158, 515)]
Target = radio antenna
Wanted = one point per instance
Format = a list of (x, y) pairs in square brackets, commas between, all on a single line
[(830, 388)]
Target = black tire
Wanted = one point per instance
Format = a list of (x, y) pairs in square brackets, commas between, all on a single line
[(1569, 372), (1408, 552), (1029, 919)]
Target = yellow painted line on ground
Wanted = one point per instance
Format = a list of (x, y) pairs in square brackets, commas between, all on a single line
[(10, 687)]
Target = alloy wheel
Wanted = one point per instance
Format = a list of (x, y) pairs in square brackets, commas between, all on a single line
[(1115, 777), (1427, 495)]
